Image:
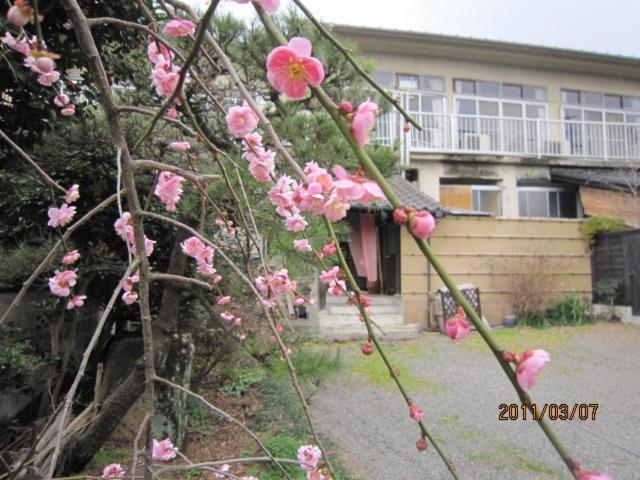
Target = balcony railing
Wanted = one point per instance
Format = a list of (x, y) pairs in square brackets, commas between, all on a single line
[(450, 133)]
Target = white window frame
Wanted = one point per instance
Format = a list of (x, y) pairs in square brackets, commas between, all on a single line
[(548, 190)]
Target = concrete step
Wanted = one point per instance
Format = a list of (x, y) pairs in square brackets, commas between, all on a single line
[(375, 309), (351, 332), (347, 319), (375, 300)]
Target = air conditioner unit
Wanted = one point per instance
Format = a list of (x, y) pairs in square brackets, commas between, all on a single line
[(476, 141)]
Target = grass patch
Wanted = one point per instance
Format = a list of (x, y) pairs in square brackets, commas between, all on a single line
[(509, 458), (372, 369), (108, 455), (524, 338)]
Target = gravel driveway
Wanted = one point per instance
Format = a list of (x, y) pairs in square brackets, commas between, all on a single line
[(460, 386)]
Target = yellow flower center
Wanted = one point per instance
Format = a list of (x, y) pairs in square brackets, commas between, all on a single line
[(295, 69)]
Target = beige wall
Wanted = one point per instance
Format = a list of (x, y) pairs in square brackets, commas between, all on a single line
[(485, 252)]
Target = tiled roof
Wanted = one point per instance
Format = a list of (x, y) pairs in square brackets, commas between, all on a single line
[(409, 195), (628, 179)]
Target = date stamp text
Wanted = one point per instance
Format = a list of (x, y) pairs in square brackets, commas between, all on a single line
[(551, 411)]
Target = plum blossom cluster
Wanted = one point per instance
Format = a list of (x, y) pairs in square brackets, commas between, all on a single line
[(36, 56), (165, 74), (163, 451), (130, 296), (362, 121), (124, 228), (332, 278), (276, 285), (169, 190), (63, 281), (421, 223), (203, 255)]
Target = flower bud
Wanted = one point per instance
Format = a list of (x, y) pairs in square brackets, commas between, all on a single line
[(422, 224), (45, 64), (421, 444), (367, 348), (399, 216), (509, 357), (345, 107), (406, 128)]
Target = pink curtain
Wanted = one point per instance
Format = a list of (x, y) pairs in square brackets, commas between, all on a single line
[(363, 244)]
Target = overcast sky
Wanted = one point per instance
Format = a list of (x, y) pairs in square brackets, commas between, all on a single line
[(607, 26)]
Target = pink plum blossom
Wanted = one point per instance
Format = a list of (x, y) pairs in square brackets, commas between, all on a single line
[(21, 46), (62, 281), (302, 245), (298, 301), (529, 366), (457, 327), (164, 450), (61, 100), (415, 412), (227, 316), (169, 190), (223, 300), (165, 76), (124, 227), (345, 107), (356, 187), (59, 217), (156, 53), (20, 13), (76, 301), (49, 78), (262, 166), (242, 120), (291, 69), (127, 285), (71, 257), (114, 470), (329, 275), (422, 224), (296, 223), (130, 297), (192, 247), (179, 28), (337, 288), (269, 5), (224, 468), (149, 246), (363, 121), (180, 146), (592, 475), (329, 249), (336, 208), (68, 111), (73, 193), (309, 456)]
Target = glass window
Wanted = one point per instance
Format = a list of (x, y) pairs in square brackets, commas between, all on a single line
[(414, 102), (554, 208), (466, 107), (435, 84), (511, 91), (592, 116), (488, 108), (633, 118), (631, 103), (568, 205), (512, 110), (535, 111), (488, 89), (384, 78), (572, 114), (431, 103), (408, 82), (534, 93), (487, 199), (465, 86), (538, 204), (592, 99), (570, 96), (613, 101), (614, 117)]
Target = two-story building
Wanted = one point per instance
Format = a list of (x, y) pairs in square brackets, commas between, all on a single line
[(497, 118), (518, 143)]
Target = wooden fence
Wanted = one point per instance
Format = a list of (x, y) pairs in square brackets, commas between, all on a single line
[(488, 252), (616, 256)]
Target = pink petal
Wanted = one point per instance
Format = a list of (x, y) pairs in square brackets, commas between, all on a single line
[(300, 45), (314, 71)]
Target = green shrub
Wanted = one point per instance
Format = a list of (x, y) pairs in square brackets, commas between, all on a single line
[(238, 386), (18, 363), (18, 263), (310, 365), (594, 225), (281, 446), (568, 311)]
